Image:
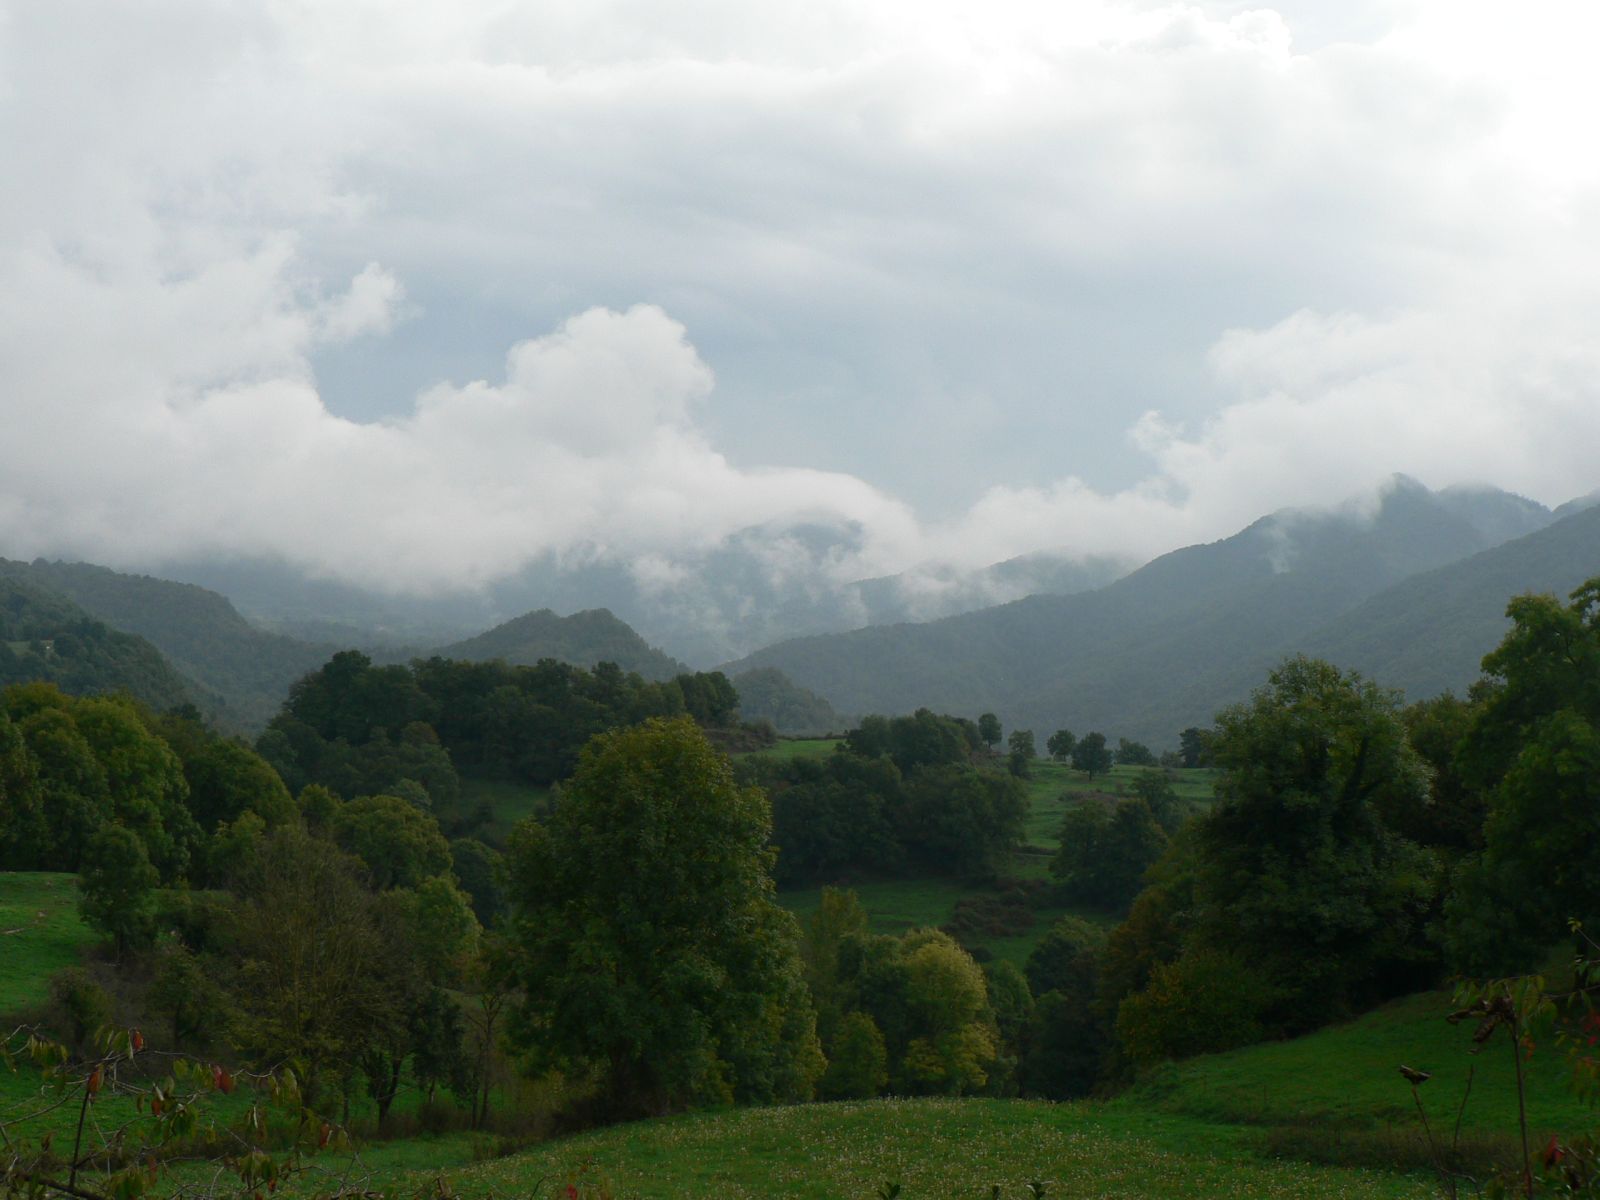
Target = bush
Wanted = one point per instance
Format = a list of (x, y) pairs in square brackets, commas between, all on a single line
[(1206, 1001), (78, 1007), (859, 1067)]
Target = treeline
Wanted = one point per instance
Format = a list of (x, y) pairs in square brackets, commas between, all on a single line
[(412, 731)]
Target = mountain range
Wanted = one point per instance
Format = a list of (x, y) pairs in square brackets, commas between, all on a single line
[(1408, 586), (1169, 644)]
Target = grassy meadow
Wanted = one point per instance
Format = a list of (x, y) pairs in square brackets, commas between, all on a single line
[(40, 932)]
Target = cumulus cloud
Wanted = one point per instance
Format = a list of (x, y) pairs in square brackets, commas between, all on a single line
[(1107, 278)]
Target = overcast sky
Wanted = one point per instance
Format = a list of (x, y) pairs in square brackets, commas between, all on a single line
[(411, 294)]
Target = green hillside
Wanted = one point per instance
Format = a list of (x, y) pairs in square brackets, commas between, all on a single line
[(1168, 645), (198, 631), (1428, 633), (40, 932), (583, 639), (767, 694), (46, 636)]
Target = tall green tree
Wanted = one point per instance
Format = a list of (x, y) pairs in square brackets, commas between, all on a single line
[(1091, 755), (400, 844), (117, 887), (1534, 751), (651, 948), (1060, 744), (1298, 873), (989, 730)]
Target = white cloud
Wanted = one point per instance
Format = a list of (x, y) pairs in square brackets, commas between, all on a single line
[(1110, 277)]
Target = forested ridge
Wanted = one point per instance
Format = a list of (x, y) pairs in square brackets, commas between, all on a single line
[(1415, 594)]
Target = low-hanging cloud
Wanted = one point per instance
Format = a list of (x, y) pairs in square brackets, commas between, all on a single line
[(913, 249)]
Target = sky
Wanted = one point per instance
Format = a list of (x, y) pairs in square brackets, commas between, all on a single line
[(412, 295)]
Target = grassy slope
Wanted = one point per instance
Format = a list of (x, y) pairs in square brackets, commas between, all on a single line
[(1348, 1075), (933, 1148), (40, 932), (1202, 1128)]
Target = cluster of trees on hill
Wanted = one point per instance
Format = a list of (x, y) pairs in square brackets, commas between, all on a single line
[(898, 794), (413, 730), (1358, 849)]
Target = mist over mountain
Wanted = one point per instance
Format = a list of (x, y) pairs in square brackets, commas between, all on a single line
[(758, 587), (1170, 643)]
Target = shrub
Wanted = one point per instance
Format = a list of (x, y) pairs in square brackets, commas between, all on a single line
[(1206, 1001)]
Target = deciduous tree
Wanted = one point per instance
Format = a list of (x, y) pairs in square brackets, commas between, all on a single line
[(650, 944)]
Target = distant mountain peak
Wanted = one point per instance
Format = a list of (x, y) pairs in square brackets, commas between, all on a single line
[(586, 637)]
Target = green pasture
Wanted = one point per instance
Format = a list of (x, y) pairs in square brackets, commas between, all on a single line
[(40, 932), (508, 802), (1054, 787), (1348, 1076), (787, 749), (897, 905), (931, 1148)]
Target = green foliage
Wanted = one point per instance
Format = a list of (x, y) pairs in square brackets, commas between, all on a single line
[(1104, 853), (1194, 747), (1063, 1046), (1208, 1000), (1453, 819), (963, 820), (1090, 755), (145, 779), (1060, 744), (858, 1067), (78, 1006), (1297, 871), (989, 732), (1134, 754), (1064, 960), (924, 739), (311, 971), (118, 887), (856, 810), (1535, 749), (400, 845), (479, 870), (652, 871), (833, 815), (183, 993), (1156, 790)]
